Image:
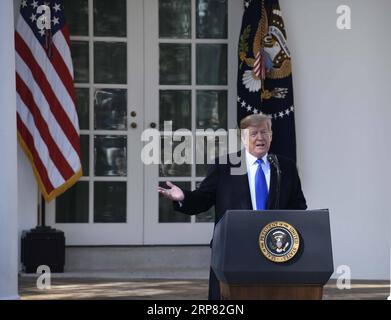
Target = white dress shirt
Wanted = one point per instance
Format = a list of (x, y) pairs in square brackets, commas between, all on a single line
[(252, 167)]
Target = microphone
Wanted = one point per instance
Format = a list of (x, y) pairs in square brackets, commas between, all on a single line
[(272, 158)]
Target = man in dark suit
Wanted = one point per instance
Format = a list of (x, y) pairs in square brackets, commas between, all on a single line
[(267, 182)]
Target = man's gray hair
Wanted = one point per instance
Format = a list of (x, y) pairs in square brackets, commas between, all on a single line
[(254, 120)]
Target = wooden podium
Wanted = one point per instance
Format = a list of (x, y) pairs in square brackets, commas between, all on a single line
[(270, 292), (247, 267)]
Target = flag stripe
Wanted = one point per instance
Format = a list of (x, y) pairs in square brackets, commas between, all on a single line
[(55, 130), (29, 141), (65, 32), (60, 65), (50, 96), (62, 45), (54, 152), (257, 65), (39, 145)]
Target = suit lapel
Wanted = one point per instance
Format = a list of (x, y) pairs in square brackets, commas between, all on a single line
[(272, 189), (245, 196), (243, 188)]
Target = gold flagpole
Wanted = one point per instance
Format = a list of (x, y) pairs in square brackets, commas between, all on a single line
[(40, 210), (39, 204)]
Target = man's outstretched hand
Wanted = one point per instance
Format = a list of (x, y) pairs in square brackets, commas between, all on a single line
[(173, 193)]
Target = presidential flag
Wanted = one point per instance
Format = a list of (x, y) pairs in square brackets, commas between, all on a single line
[(47, 122), (264, 72)]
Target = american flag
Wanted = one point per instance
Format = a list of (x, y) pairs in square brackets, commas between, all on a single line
[(47, 122)]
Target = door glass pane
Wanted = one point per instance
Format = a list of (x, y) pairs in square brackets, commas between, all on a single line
[(110, 109), (175, 106), (85, 153), (166, 210), (208, 216), (79, 52), (110, 155), (110, 62), (110, 18), (207, 150), (174, 18), (211, 114), (76, 13), (169, 165), (72, 205), (211, 64), (109, 201), (211, 19), (175, 63), (83, 106), (211, 109)]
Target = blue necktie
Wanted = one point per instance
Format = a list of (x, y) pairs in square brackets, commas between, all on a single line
[(261, 191)]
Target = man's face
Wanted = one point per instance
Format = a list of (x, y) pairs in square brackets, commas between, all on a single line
[(257, 139)]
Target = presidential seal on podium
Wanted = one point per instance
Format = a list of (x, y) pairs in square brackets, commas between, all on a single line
[(279, 241)]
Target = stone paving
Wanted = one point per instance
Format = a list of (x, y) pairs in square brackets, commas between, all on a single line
[(166, 289)]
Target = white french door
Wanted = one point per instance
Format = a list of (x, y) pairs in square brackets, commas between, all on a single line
[(106, 206), (190, 81), (138, 64)]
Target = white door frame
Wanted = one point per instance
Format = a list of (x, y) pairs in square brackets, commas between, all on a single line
[(131, 232)]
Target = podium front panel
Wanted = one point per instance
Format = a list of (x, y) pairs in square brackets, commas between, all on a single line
[(237, 257)]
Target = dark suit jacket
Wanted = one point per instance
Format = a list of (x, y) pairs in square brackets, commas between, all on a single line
[(232, 192), (227, 191)]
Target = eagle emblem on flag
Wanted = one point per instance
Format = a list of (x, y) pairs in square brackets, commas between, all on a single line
[(264, 81), (270, 55)]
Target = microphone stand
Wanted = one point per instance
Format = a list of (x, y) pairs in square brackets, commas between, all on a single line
[(278, 186), (274, 161)]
